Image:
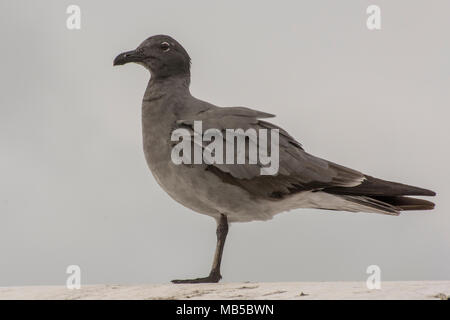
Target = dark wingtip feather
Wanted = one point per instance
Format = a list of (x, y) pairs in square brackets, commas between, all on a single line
[(377, 187)]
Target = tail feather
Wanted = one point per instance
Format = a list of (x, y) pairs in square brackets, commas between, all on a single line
[(407, 203), (389, 205), (367, 204)]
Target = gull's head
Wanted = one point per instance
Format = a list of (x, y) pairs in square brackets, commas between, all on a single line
[(160, 54)]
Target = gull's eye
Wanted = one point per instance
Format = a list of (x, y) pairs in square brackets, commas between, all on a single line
[(164, 46)]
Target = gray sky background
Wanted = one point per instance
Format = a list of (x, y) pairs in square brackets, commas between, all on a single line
[(75, 188)]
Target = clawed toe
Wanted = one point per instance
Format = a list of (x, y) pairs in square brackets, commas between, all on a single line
[(208, 279)]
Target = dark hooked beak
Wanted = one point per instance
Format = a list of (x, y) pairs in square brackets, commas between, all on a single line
[(129, 56)]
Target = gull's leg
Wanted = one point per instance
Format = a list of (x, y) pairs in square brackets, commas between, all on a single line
[(214, 275)]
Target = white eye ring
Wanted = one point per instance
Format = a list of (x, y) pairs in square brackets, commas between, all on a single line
[(165, 46)]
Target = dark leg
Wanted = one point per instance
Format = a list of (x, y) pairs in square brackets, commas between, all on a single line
[(214, 275)]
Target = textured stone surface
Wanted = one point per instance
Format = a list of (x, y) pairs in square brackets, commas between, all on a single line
[(281, 290)]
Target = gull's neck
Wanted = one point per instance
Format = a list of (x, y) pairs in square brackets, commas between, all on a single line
[(158, 87)]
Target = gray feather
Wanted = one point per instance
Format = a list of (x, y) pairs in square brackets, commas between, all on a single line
[(298, 170)]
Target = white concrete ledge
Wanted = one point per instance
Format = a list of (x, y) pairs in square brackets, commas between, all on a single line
[(282, 290)]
